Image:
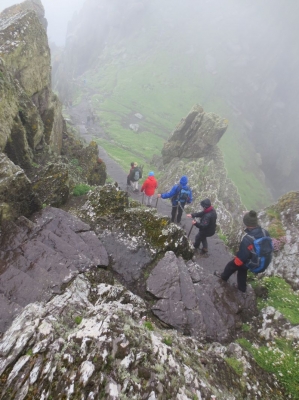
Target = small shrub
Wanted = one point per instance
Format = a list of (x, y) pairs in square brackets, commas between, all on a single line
[(74, 161), (29, 353), (236, 365), (78, 320), (81, 190), (280, 358), (246, 327), (148, 325), (167, 340), (223, 237), (282, 297)]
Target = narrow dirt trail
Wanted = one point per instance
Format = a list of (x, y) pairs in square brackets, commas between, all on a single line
[(218, 254)]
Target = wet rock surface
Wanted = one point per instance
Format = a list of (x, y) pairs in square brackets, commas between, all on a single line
[(197, 303), (16, 194), (38, 258)]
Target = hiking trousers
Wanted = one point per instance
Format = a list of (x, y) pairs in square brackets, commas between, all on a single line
[(134, 185), (177, 212), (201, 238), (148, 200), (230, 269)]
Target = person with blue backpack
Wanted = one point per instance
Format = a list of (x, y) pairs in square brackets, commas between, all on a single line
[(254, 254), (180, 195)]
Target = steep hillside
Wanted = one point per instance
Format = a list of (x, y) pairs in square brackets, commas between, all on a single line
[(158, 61)]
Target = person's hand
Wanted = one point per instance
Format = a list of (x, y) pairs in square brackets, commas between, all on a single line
[(159, 195), (189, 215), (193, 222)]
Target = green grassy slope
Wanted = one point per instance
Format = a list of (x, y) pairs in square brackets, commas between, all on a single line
[(162, 80)]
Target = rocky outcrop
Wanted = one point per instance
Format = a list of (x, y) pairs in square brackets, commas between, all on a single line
[(192, 150), (38, 258), (282, 221), (37, 112), (197, 303), (31, 123), (195, 136), (52, 186), (95, 341), (16, 194), (111, 211)]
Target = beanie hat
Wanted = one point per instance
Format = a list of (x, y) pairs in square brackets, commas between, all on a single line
[(205, 203), (250, 218), (151, 173), (183, 180)]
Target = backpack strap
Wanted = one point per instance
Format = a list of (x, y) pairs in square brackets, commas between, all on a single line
[(264, 233)]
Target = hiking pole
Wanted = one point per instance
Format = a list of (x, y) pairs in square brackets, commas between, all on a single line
[(190, 231), (142, 197), (157, 202)]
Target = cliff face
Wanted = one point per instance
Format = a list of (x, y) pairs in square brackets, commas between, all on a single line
[(33, 114), (32, 128)]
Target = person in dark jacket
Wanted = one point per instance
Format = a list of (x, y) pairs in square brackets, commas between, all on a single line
[(129, 175), (180, 195), (206, 225), (135, 175), (243, 256)]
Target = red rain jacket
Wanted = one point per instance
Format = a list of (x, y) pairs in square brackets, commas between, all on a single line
[(149, 186)]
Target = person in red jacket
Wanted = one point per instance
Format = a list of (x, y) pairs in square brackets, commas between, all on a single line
[(149, 186)]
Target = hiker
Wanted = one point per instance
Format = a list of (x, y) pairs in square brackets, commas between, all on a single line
[(128, 177), (240, 263), (206, 226), (149, 186), (180, 195), (135, 175)]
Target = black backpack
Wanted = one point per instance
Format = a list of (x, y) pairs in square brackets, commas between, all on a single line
[(261, 253)]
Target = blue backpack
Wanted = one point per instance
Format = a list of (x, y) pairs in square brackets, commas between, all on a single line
[(261, 253), (183, 194)]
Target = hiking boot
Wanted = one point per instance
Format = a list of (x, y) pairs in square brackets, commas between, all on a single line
[(203, 251), (244, 295), (218, 274)]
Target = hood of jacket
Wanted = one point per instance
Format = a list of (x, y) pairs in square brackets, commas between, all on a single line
[(184, 180)]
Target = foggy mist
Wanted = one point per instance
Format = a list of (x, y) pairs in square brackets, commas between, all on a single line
[(237, 58), (58, 14)]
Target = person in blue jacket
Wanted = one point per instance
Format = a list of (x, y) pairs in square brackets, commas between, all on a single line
[(180, 195)]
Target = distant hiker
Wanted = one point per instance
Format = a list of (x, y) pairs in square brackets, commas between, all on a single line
[(135, 175), (88, 120), (206, 226), (129, 175), (247, 252), (180, 195), (149, 186)]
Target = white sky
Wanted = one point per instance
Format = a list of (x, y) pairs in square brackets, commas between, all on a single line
[(58, 13)]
